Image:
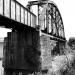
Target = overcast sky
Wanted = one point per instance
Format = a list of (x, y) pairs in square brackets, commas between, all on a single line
[(67, 10)]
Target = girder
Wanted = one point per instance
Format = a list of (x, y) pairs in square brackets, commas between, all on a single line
[(13, 13), (14, 25), (30, 46), (16, 16), (49, 18)]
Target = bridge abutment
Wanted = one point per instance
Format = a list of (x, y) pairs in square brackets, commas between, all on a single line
[(21, 52), (28, 52)]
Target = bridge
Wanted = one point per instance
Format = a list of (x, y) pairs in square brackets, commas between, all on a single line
[(12, 13), (29, 41), (16, 16)]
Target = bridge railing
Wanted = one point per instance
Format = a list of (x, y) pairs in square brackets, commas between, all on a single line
[(14, 10)]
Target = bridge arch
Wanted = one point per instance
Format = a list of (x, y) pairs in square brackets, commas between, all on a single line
[(24, 47), (49, 17)]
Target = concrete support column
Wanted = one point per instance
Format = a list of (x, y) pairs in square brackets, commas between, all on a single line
[(21, 53)]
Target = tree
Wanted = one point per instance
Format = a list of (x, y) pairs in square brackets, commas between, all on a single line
[(71, 43)]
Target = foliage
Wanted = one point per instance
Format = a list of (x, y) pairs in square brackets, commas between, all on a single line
[(71, 42)]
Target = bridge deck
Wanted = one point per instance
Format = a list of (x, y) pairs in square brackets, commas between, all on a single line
[(16, 16), (13, 14)]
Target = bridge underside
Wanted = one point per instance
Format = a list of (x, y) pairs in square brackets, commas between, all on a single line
[(23, 46), (25, 50), (14, 25)]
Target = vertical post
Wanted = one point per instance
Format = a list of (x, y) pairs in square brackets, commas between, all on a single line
[(10, 8), (24, 16), (52, 18), (27, 17), (20, 13), (15, 11), (38, 15), (3, 7), (30, 19)]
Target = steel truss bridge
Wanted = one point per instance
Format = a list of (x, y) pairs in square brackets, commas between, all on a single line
[(25, 40), (15, 16)]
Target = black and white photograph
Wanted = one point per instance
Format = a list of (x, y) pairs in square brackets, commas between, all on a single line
[(37, 37)]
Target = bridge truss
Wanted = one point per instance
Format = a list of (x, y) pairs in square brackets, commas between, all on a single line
[(34, 38)]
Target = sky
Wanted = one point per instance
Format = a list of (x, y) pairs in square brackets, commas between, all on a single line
[(66, 8)]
